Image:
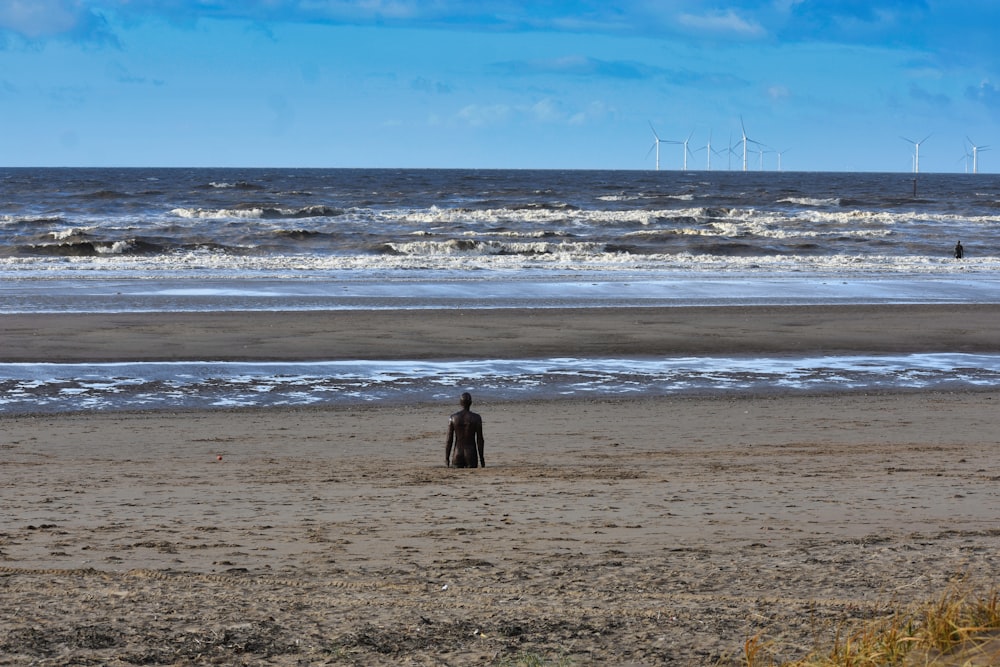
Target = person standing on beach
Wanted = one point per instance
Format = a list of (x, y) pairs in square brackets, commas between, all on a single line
[(465, 437), (959, 250)]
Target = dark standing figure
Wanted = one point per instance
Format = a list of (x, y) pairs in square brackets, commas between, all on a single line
[(465, 433), (959, 251)]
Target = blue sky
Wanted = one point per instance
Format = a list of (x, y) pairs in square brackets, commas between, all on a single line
[(498, 83)]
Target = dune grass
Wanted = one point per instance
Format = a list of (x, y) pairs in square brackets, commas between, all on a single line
[(961, 628)]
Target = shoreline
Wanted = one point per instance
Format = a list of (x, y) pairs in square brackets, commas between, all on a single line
[(506, 402), (500, 333)]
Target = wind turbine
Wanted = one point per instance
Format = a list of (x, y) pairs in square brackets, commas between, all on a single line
[(916, 151), (709, 150), (965, 158), (780, 153), (761, 150), (746, 139), (975, 155), (731, 151), (656, 145), (687, 150)]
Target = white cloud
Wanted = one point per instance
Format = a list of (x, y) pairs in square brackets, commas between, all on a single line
[(544, 111), (595, 111), (777, 92), (479, 115), (40, 18), (727, 22), (986, 92)]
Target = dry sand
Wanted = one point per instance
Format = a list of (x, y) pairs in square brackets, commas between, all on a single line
[(654, 531)]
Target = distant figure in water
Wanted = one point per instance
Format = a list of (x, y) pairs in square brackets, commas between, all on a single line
[(465, 437), (959, 251)]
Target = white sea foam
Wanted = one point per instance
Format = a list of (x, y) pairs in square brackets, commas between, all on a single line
[(651, 216), (811, 201), (770, 230), (449, 257), (213, 214), (551, 221), (621, 197), (535, 234), (70, 232), (116, 248), (11, 220), (430, 249)]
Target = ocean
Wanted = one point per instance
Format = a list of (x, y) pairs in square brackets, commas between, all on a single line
[(160, 240)]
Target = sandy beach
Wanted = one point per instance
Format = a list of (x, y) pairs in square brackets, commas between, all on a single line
[(499, 333), (627, 532)]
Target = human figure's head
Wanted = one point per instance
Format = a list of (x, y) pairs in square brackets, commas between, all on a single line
[(466, 400)]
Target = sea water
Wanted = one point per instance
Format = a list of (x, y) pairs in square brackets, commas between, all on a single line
[(155, 240)]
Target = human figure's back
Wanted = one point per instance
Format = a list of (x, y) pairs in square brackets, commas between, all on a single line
[(464, 446)]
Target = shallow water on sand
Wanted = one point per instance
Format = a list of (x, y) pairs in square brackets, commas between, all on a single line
[(172, 385)]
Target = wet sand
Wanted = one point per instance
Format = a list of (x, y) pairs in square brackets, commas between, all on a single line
[(499, 334), (647, 531)]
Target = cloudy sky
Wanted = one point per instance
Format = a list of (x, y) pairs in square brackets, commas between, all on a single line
[(832, 85)]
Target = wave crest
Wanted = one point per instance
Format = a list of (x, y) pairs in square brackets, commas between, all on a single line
[(478, 247), (258, 212)]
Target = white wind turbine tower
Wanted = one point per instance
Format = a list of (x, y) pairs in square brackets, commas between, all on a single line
[(760, 153), (687, 150), (916, 152), (656, 145), (965, 158), (780, 153), (746, 139), (975, 155), (708, 151)]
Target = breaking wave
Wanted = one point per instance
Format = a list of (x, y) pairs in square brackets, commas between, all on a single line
[(258, 212)]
